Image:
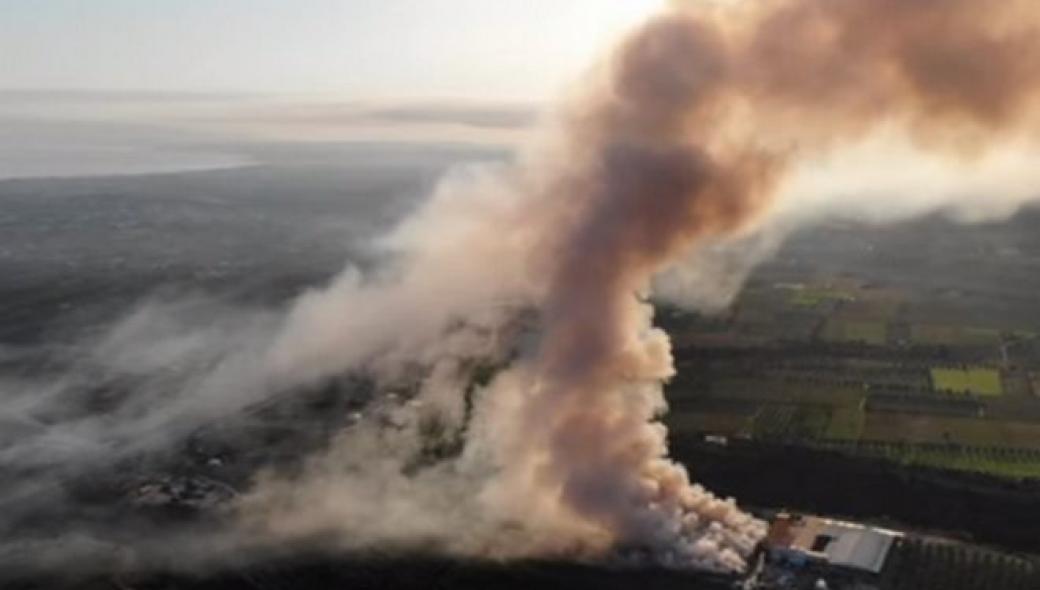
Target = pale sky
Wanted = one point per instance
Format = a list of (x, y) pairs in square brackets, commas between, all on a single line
[(366, 49)]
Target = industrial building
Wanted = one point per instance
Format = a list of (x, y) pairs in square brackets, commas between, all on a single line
[(808, 540)]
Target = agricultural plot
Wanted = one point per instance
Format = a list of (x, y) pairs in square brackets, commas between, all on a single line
[(773, 422), (996, 461), (812, 297), (951, 335), (918, 402), (919, 564), (846, 423), (977, 380), (783, 392), (919, 429), (810, 422), (790, 423), (865, 331), (1017, 384), (1008, 463), (722, 423), (878, 374), (795, 327), (878, 307)]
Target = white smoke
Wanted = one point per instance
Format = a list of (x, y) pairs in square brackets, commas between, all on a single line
[(882, 179), (704, 141), (560, 451)]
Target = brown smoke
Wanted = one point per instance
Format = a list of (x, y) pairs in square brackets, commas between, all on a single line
[(701, 115), (704, 128), (688, 135)]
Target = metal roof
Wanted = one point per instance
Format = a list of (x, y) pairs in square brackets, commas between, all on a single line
[(838, 543)]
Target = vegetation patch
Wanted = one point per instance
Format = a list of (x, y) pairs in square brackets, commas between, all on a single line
[(1005, 462), (791, 423), (916, 428), (787, 392), (977, 380), (773, 421), (926, 564), (948, 335), (865, 331), (846, 423), (810, 297)]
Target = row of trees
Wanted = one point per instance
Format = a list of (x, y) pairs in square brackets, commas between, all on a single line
[(919, 564)]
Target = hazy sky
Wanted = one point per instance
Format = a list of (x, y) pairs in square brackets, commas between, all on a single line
[(479, 49)]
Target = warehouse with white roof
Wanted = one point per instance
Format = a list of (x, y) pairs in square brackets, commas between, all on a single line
[(808, 539)]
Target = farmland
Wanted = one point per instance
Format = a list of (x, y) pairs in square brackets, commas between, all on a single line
[(866, 331), (978, 380), (998, 461), (846, 423), (953, 335), (925, 564), (893, 378), (802, 296), (919, 373), (942, 429)]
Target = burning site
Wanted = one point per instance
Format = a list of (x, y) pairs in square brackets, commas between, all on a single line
[(701, 299)]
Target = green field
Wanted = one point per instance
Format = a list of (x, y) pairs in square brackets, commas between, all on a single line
[(786, 392), (920, 428), (846, 423), (975, 380), (790, 422), (773, 421), (1000, 462), (866, 331), (947, 335), (929, 564), (813, 297)]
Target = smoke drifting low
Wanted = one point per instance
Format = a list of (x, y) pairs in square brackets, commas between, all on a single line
[(708, 127), (709, 133)]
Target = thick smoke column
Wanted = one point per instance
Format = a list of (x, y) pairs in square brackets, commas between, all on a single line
[(699, 119), (714, 124), (690, 134)]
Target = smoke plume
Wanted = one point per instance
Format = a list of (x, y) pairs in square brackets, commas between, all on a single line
[(711, 125), (709, 133)]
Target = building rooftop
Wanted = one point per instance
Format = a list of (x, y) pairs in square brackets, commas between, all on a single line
[(834, 542)]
